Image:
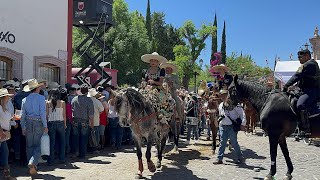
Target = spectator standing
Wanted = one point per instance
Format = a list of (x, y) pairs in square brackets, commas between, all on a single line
[(33, 123), (116, 131)]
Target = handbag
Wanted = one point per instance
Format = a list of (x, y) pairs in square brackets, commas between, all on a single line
[(92, 139), (8, 136), (236, 124)]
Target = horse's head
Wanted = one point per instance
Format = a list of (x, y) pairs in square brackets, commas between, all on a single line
[(122, 107), (234, 91)]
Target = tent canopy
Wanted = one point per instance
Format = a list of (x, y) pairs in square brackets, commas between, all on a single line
[(285, 69)]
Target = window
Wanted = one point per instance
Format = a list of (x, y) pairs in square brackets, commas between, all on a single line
[(49, 72), (5, 68)]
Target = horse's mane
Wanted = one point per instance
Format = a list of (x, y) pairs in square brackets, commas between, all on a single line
[(254, 92), (136, 101)]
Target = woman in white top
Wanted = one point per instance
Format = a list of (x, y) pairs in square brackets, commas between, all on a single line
[(5, 117), (56, 116), (116, 131)]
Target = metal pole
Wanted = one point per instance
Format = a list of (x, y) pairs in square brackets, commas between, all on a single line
[(195, 82)]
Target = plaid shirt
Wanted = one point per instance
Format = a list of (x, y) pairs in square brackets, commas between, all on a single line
[(192, 108)]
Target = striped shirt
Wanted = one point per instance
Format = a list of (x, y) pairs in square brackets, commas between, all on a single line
[(82, 107)]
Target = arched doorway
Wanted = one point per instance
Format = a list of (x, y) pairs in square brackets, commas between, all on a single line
[(5, 68)]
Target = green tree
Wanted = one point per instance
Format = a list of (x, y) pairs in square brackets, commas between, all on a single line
[(214, 47), (195, 44), (148, 21), (224, 45)]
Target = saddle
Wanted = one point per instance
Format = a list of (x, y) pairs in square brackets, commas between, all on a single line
[(313, 110)]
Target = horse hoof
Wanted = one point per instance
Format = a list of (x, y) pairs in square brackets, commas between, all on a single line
[(139, 175), (151, 167), (269, 177), (287, 177), (175, 148)]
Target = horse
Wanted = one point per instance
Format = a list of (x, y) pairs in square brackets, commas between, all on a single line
[(212, 111), (176, 123), (140, 110), (277, 117), (251, 117)]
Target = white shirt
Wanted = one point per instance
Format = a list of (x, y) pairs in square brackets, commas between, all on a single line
[(112, 113), (234, 114), (98, 107), (5, 118)]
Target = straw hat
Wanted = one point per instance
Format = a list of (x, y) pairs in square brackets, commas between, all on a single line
[(76, 86), (147, 57), (32, 84), (170, 65), (92, 92), (4, 92), (220, 68)]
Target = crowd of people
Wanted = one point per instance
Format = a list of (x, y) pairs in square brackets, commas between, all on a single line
[(32, 108)]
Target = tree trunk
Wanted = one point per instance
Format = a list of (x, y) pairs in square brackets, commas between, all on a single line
[(185, 82)]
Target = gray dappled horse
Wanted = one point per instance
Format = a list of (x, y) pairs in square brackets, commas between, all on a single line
[(140, 112), (277, 117)]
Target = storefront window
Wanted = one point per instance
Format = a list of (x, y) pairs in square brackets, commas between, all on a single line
[(5, 68), (49, 72)]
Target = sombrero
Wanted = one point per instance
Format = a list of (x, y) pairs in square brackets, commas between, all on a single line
[(32, 84), (147, 57), (170, 65), (220, 68), (4, 92)]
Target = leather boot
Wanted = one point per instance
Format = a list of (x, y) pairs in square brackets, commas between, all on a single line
[(304, 124), (6, 174)]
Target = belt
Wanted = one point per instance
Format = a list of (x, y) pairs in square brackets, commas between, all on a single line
[(34, 119), (227, 125)]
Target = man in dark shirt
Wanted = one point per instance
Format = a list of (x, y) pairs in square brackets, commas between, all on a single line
[(82, 114), (308, 78)]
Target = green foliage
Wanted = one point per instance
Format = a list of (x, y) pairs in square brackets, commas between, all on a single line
[(224, 45), (245, 66), (148, 21), (194, 39), (214, 47)]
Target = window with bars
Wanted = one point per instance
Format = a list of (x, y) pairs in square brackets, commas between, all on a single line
[(49, 72), (5, 68)]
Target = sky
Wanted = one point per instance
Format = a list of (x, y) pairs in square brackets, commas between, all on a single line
[(263, 29)]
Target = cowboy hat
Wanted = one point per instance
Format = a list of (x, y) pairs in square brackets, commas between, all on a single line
[(220, 67), (4, 92), (170, 65), (92, 92), (32, 84), (147, 57), (53, 85)]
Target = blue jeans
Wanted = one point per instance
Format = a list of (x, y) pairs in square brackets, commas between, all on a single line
[(195, 131), (16, 140), (97, 133), (4, 154), (57, 128), (67, 135), (116, 132), (34, 132), (227, 132), (127, 134), (80, 135)]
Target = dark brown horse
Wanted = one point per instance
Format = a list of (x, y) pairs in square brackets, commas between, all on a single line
[(212, 111), (277, 117), (251, 117)]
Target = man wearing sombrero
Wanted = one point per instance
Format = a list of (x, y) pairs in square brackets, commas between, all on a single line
[(33, 123), (225, 79), (154, 75), (173, 82)]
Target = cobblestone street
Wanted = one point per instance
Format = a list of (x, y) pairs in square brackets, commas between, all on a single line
[(192, 162)]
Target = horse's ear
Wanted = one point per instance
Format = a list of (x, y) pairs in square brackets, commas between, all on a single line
[(236, 79)]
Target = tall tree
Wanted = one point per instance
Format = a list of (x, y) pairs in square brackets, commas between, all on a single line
[(223, 44), (148, 21), (214, 47), (195, 44)]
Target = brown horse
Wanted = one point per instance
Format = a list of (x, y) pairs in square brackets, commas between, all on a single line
[(251, 116), (212, 111)]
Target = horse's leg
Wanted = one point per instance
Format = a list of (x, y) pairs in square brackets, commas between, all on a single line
[(160, 149), (139, 155), (214, 136), (284, 149), (176, 134), (151, 166), (273, 143)]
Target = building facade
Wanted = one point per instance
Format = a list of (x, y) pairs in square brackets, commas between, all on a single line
[(33, 39)]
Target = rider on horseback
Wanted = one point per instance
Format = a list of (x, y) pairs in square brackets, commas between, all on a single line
[(308, 78)]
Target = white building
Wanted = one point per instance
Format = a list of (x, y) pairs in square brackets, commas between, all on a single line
[(33, 39), (285, 69)]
